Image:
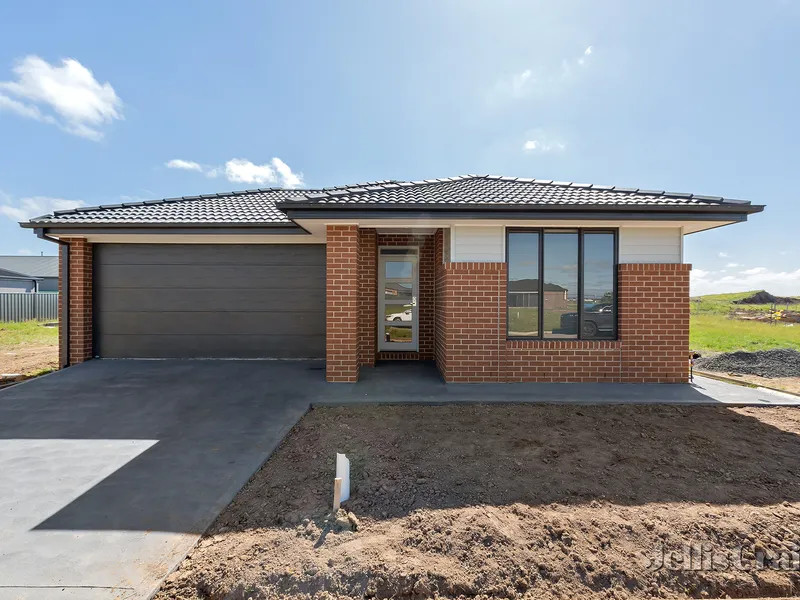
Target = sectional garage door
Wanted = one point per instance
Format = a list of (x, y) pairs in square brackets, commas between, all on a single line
[(209, 301)]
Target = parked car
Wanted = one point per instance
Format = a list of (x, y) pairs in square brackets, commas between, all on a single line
[(597, 318), (401, 316)]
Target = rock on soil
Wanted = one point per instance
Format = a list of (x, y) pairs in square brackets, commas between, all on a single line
[(765, 363), (763, 297), (516, 502)]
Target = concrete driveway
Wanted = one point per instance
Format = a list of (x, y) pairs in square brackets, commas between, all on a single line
[(111, 470)]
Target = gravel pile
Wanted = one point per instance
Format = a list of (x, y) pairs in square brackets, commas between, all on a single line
[(766, 363)]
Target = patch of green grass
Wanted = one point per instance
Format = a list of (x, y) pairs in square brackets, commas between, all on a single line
[(716, 333), (723, 304), (27, 332)]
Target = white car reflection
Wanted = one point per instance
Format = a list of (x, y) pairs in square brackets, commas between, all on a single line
[(401, 316)]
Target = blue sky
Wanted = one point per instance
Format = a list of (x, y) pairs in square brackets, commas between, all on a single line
[(676, 95)]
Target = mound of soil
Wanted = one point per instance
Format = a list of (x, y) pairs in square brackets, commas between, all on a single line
[(763, 297), (783, 362), (517, 502)]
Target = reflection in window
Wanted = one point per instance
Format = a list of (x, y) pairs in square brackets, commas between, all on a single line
[(598, 286), (398, 292), (399, 270), (393, 333), (523, 284), (560, 288), (571, 299)]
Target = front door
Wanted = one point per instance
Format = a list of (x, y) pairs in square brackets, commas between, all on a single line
[(398, 289)]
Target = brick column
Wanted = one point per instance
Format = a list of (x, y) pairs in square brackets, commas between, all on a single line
[(654, 322), (80, 301), (342, 303), (367, 296)]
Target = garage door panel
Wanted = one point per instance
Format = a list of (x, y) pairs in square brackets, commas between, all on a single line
[(212, 276), (213, 323), (182, 300), (212, 346), (211, 254), (209, 301)]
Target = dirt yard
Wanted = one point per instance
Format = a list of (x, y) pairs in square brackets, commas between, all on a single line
[(514, 502), (27, 348)]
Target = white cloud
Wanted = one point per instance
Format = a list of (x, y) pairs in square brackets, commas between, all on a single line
[(520, 81), (239, 170), (733, 265), (543, 146), (24, 252), (723, 255), (76, 101), (35, 206), (288, 178), (782, 283), (187, 165), (540, 79)]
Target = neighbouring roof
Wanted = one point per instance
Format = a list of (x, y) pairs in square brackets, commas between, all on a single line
[(530, 285), (9, 274), (268, 206), (33, 266)]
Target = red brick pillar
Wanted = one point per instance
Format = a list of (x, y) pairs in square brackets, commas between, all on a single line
[(80, 301), (367, 296), (440, 305), (654, 322), (342, 303)]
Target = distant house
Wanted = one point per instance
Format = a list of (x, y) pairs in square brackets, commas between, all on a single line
[(522, 293), (41, 272), (13, 282)]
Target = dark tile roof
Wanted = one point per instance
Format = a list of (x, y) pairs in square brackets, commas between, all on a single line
[(471, 190), (267, 206), (247, 207), (35, 266)]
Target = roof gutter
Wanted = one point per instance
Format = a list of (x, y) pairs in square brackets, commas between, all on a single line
[(739, 214), (63, 320), (723, 208)]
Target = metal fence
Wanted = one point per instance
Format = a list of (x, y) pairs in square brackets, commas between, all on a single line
[(28, 307)]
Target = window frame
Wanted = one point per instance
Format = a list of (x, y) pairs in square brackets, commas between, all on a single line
[(541, 231)]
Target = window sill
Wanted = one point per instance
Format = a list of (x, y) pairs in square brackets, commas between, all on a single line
[(545, 343)]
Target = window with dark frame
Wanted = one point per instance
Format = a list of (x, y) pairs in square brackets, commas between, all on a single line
[(562, 284)]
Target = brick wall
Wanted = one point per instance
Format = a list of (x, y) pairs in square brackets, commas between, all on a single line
[(574, 361), (80, 302), (654, 322), (474, 303), (342, 266), (471, 343)]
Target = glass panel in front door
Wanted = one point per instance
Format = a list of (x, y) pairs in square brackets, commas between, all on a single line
[(397, 310)]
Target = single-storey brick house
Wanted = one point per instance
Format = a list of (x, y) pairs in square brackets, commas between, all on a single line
[(390, 270)]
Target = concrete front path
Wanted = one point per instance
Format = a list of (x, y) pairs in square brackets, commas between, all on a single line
[(111, 470)]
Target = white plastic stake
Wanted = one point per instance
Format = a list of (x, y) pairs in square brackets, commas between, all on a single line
[(343, 473)]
